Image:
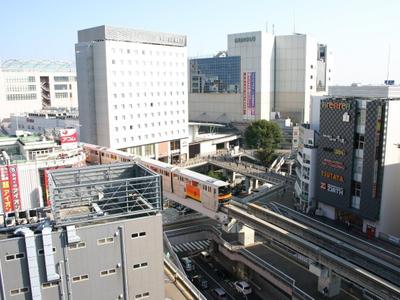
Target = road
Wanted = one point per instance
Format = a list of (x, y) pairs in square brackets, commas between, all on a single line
[(208, 271)]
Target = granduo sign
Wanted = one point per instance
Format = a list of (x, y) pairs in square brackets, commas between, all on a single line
[(245, 39), (339, 152), (332, 176), (333, 105)]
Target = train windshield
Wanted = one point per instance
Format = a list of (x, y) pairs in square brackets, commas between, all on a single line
[(224, 190)]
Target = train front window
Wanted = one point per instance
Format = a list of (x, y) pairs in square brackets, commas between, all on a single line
[(224, 190)]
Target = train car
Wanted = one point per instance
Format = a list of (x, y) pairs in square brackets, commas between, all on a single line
[(164, 169), (211, 192)]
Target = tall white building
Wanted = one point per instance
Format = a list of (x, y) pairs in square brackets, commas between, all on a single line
[(27, 86), (133, 91), (260, 73)]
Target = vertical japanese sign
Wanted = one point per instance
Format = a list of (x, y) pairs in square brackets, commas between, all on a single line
[(9, 186), (5, 190), (249, 94), (68, 138)]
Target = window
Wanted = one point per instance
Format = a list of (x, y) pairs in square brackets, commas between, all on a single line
[(59, 87), (140, 265), (108, 272), (19, 291), (138, 234), (59, 78), (15, 256), (356, 189), (77, 245), (80, 278), (142, 296), (106, 240), (48, 285)]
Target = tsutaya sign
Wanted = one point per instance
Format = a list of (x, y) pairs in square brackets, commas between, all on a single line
[(245, 39), (334, 105), (332, 176)]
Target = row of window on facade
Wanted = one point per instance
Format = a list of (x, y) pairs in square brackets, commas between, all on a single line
[(149, 63), (147, 125), (149, 136), (24, 79), (22, 97), (151, 104), (151, 94), (137, 84), (147, 52)]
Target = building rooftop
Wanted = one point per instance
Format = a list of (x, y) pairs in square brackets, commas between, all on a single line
[(103, 191), (16, 65)]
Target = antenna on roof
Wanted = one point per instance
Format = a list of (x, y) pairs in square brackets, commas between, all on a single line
[(388, 64), (266, 26), (273, 29), (294, 22)]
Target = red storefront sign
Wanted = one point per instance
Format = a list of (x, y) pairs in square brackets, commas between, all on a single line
[(9, 186), (68, 136)]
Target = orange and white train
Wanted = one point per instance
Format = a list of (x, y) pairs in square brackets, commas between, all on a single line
[(211, 192)]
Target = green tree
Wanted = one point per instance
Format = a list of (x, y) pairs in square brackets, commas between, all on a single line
[(216, 175), (264, 136)]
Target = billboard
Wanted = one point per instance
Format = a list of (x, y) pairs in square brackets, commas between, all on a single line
[(68, 138), (249, 94), (9, 186)]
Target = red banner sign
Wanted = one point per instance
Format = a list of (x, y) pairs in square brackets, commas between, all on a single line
[(10, 188), (68, 136)]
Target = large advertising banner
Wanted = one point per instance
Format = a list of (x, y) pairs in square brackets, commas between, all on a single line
[(5, 190), (249, 94), (14, 186), (9, 186)]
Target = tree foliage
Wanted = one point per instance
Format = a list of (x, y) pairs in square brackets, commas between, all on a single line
[(264, 136), (216, 175)]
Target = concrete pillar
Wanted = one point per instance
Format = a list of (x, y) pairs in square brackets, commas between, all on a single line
[(255, 183), (233, 178), (328, 282), (226, 145), (246, 236), (248, 183)]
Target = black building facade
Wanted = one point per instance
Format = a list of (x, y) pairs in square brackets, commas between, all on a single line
[(350, 155)]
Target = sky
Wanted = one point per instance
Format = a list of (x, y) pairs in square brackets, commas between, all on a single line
[(359, 33)]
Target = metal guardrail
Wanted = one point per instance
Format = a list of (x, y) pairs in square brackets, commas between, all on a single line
[(181, 276)]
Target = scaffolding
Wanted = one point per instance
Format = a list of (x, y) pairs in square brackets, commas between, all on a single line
[(104, 191)]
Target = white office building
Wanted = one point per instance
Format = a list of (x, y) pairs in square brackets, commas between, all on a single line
[(260, 73), (27, 86), (133, 91)]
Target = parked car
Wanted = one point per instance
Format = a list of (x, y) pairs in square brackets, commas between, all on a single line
[(200, 281), (205, 256), (187, 264), (219, 293), (243, 287)]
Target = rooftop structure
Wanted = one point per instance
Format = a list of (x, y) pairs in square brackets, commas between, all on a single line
[(17, 65), (106, 191)]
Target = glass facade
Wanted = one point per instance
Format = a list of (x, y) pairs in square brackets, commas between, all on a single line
[(215, 75)]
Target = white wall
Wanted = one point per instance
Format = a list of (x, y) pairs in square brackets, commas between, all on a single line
[(390, 204)]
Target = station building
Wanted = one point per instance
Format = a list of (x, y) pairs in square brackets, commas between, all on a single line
[(259, 73)]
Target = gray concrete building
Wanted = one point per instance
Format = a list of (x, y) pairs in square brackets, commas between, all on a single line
[(101, 239)]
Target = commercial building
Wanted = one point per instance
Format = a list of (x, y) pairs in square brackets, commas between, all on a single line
[(102, 238), (306, 168), (43, 121), (359, 162), (24, 165), (132, 87), (260, 73), (27, 86)]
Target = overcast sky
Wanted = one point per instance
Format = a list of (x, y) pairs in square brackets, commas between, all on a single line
[(357, 32)]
